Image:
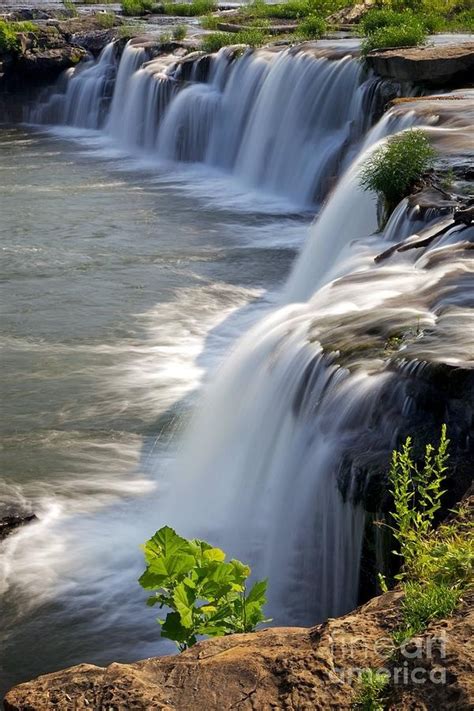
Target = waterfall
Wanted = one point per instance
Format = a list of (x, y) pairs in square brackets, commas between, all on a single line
[(284, 122), (305, 411)]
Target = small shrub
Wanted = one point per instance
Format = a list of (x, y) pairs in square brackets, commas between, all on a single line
[(311, 27), (371, 690), (394, 169), (106, 20), (376, 19), (438, 564), (137, 7), (9, 34), (191, 9), (411, 34), (179, 32), (216, 40), (71, 8), (206, 594), (210, 22)]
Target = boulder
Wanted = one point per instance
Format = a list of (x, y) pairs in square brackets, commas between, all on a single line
[(296, 669), (351, 15), (431, 65)]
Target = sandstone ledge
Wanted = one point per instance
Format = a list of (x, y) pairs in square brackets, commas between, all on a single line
[(295, 669), (434, 65)]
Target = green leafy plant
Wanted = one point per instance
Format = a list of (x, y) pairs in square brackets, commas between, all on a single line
[(137, 7), (311, 27), (370, 690), (106, 20), (9, 31), (394, 168), (71, 8), (190, 9), (215, 40), (179, 32), (210, 22), (410, 34), (438, 563), (206, 594), (417, 494)]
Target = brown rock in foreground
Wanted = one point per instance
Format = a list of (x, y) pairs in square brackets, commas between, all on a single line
[(295, 669), (436, 66)]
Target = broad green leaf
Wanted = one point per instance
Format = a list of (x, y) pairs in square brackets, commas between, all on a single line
[(257, 593), (172, 628), (214, 554), (165, 543), (184, 599)]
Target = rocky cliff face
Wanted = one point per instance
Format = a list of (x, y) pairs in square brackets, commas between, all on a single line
[(295, 669)]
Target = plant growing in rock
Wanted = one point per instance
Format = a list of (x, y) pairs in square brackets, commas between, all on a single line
[(394, 169), (206, 595), (370, 690), (179, 32), (410, 34), (438, 564), (311, 27)]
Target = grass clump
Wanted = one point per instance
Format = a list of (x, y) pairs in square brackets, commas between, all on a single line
[(371, 690), (106, 20), (179, 32), (137, 7), (394, 169), (9, 34), (206, 594), (438, 564), (191, 9), (410, 34), (216, 40), (311, 27), (210, 21)]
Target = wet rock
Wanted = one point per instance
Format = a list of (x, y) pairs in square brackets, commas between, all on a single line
[(12, 520), (434, 66)]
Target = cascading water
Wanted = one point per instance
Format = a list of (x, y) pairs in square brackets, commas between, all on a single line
[(283, 122), (268, 467)]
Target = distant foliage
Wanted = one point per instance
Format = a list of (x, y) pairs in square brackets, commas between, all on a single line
[(206, 594), (191, 9), (106, 20), (137, 7), (312, 27), (215, 40), (410, 34), (393, 170), (179, 32), (9, 34), (370, 691)]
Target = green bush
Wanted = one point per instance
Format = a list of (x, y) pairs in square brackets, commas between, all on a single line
[(370, 690), (394, 168), (191, 9), (311, 27), (375, 19), (438, 564), (216, 40), (210, 22), (9, 34), (179, 32), (106, 20), (206, 594), (411, 34), (137, 7)]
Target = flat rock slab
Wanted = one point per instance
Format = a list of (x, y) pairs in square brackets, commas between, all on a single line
[(436, 66)]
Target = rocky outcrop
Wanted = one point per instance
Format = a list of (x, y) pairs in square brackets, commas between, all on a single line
[(295, 669), (351, 15), (432, 65)]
